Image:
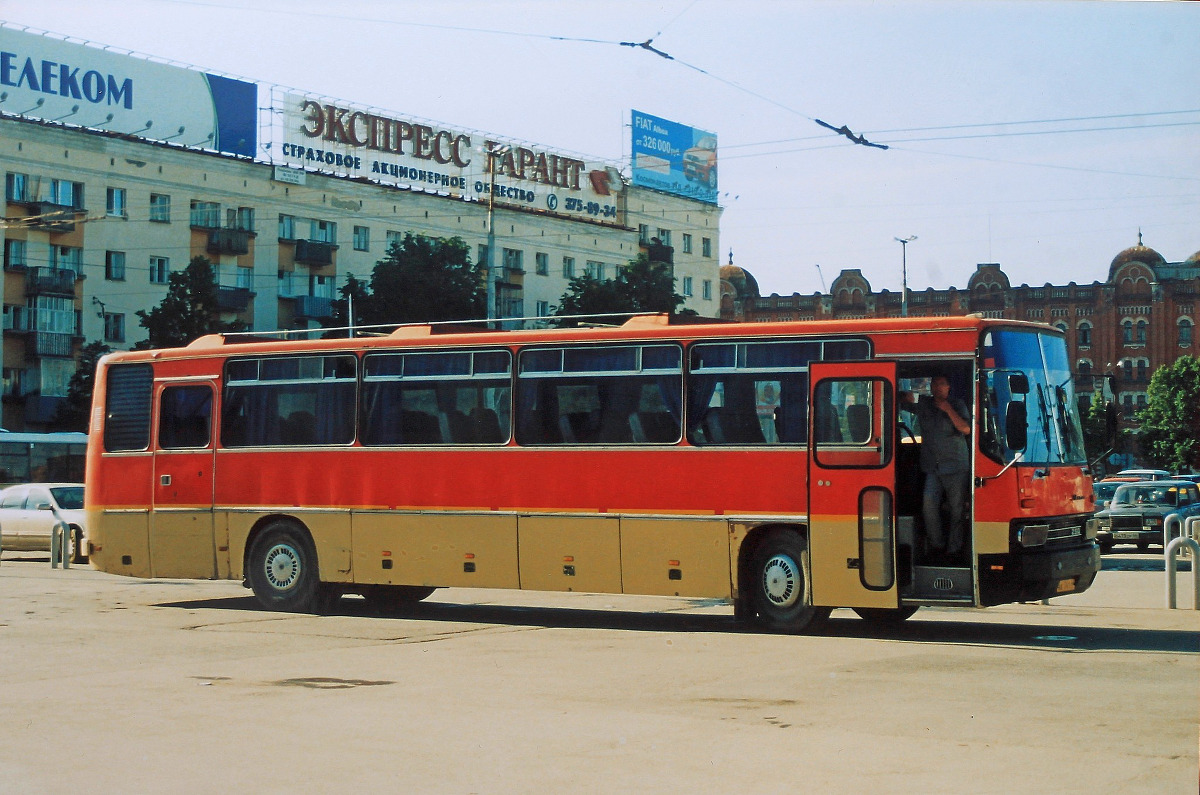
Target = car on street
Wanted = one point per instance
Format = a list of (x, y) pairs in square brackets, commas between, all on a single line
[(1144, 474), (28, 513), (1146, 512)]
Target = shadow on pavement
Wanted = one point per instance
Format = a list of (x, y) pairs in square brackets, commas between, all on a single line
[(923, 628)]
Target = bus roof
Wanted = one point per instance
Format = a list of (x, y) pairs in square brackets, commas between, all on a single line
[(638, 327)]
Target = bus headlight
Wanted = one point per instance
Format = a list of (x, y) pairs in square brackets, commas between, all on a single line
[(1033, 535)]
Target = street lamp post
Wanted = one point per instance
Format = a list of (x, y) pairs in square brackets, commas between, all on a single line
[(904, 241), (492, 150)]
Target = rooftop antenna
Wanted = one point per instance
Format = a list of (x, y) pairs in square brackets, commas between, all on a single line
[(823, 288)]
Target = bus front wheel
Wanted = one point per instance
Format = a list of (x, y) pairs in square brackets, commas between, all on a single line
[(283, 569), (780, 587)]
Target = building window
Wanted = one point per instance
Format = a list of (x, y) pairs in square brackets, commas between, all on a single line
[(16, 188), (66, 194), (114, 266), (245, 278), (1085, 335), (1185, 329), (115, 204), (481, 251), (160, 269), (1141, 332), (687, 243), (1127, 366), (362, 238), (664, 236), (687, 286), (568, 267), (1061, 327), (160, 208), (206, 215), (1127, 332), (321, 286), (644, 234), (287, 227), (595, 270), (1142, 366), (1127, 404), (513, 260), (543, 309), (50, 313), (14, 254), (706, 288), (705, 247), (242, 219), (67, 258), (114, 327), (1085, 368), (541, 263), (285, 284), (323, 231)]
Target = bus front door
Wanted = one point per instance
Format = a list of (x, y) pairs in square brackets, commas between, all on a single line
[(181, 524), (852, 484)]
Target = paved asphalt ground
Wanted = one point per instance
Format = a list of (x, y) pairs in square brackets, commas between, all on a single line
[(119, 685)]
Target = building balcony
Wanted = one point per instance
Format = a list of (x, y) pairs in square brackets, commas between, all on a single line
[(50, 281), (314, 252), (658, 252), (228, 241), (313, 307), (55, 218), (233, 299), (48, 343)]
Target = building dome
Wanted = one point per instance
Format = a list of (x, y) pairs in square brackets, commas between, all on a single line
[(742, 281), (1193, 260), (1138, 253)]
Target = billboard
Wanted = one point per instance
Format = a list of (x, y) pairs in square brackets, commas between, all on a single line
[(358, 142), (54, 80), (675, 158)]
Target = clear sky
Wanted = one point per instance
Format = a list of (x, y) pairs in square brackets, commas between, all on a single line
[(1039, 135)]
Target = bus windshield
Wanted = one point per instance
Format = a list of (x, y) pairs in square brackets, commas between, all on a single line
[(1054, 434)]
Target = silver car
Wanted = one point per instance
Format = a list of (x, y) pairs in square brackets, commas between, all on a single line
[(29, 512)]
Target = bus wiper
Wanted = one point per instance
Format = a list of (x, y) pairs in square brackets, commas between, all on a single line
[(1045, 424)]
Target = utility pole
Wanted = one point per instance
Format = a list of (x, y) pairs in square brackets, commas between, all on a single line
[(904, 241)]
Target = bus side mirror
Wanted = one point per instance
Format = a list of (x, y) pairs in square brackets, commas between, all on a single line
[(1016, 427), (1018, 384)]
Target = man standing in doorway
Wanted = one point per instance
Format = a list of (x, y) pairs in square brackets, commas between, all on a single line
[(946, 462)]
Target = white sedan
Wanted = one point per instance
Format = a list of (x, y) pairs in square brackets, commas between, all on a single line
[(29, 512)]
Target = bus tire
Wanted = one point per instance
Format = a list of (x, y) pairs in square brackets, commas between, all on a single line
[(78, 555), (779, 586), (885, 616), (393, 598), (283, 570)]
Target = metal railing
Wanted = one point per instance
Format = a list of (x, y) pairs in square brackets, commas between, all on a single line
[(1186, 540)]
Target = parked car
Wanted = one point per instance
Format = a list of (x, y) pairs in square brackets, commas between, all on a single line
[(28, 515), (1193, 478), (1144, 474), (1146, 512)]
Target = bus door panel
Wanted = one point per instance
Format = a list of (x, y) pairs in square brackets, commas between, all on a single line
[(181, 524), (852, 484), (569, 552)]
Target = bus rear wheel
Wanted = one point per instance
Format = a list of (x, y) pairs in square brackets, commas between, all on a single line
[(885, 616), (779, 593), (283, 570)]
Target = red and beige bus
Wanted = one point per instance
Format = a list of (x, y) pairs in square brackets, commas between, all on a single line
[(767, 464)]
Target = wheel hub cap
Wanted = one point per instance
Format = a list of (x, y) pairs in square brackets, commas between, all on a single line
[(283, 567), (781, 581)]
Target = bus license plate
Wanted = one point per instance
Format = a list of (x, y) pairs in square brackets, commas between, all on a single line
[(1065, 586), (1126, 535)]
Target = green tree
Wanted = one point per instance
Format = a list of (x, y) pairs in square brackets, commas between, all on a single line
[(1170, 435), (73, 413), (188, 311), (641, 286), (425, 279)]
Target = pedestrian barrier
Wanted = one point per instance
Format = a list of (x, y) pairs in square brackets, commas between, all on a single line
[(1171, 552), (60, 541)]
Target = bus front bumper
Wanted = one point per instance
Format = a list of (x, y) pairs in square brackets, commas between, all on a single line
[(1034, 574)]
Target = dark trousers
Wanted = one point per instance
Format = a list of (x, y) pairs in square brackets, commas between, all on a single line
[(953, 488)]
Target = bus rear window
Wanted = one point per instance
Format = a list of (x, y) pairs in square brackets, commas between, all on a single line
[(127, 407)]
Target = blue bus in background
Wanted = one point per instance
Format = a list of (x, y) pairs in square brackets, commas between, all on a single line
[(42, 457)]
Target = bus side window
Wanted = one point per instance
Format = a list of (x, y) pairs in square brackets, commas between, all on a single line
[(185, 417)]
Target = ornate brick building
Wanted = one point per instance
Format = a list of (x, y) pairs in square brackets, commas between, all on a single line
[(1142, 316)]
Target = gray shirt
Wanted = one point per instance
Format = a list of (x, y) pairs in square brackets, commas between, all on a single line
[(943, 449)]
